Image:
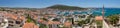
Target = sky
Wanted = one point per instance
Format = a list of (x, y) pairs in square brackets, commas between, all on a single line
[(47, 3)]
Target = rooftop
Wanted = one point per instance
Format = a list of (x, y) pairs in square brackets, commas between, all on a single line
[(30, 25)]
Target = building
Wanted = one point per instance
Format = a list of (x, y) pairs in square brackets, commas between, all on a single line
[(30, 25)]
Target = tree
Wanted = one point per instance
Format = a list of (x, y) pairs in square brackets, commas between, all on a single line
[(29, 19), (45, 19), (113, 19), (42, 26), (87, 21), (55, 19), (80, 23)]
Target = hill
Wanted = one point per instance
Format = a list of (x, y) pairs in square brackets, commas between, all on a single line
[(65, 7)]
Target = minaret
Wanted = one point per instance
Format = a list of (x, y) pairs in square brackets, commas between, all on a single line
[(103, 12), (105, 25)]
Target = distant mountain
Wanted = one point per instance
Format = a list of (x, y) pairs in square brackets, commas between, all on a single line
[(17, 8), (65, 7), (60, 7)]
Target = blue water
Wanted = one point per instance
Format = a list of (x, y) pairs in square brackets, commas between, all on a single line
[(108, 11)]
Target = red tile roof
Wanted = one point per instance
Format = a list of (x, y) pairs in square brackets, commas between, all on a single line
[(98, 18), (22, 18), (53, 22), (12, 16), (30, 25), (67, 24), (56, 22), (49, 22)]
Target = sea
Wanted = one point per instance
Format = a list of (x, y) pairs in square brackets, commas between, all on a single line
[(97, 11), (108, 11)]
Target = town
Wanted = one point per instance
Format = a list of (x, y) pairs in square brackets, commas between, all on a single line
[(55, 18)]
